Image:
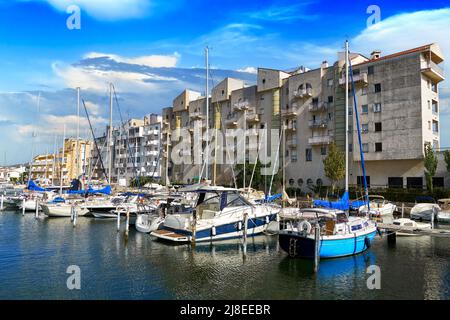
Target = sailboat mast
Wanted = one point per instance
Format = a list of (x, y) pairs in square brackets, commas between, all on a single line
[(62, 161), (77, 160), (207, 112), (346, 115), (33, 136), (110, 133), (54, 162)]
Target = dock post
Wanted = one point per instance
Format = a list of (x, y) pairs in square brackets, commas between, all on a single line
[(127, 224), (194, 227), (403, 209), (392, 238), (118, 220), (433, 213), (1, 202), (36, 215), (316, 247), (245, 233), (75, 214), (23, 206)]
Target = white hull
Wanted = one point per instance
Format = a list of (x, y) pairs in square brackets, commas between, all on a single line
[(443, 216), (146, 224), (423, 211), (61, 210)]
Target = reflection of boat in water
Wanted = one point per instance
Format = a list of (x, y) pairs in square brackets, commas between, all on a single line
[(343, 268)]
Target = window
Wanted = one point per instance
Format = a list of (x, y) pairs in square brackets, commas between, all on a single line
[(435, 109), (350, 147), (330, 99), (414, 182), (370, 70), (360, 181), (377, 87), (365, 147), (378, 127), (356, 72), (435, 126), (330, 82), (435, 144), (429, 105), (294, 156), (263, 81), (223, 92), (309, 182), (434, 87), (323, 151), (291, 182), (377, 107), (319, 182), (315, 101), (378, 146), (395, 182), (438, 182), (300, 182), (364, 108), (363, 91), (429, 125), (365, 128), (308, 154)]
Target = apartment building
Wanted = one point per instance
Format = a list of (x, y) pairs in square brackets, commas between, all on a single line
[(46, 168), (398, 106)]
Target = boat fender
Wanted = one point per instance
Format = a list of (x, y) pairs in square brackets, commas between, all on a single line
[(367, 242), (240, 225), (213, 231), (305, 226), (267, 219)]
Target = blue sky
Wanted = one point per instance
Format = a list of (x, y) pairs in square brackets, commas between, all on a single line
[(151, 48)]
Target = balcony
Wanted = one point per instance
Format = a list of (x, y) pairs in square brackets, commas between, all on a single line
[(302, 93), (320, 140), (360, 79), (289, 113), (252, 117), (318, 107), (291, 126), (318, 123), (231, 120), (196, 116), (292, 143), (432, 71), (241, 105)]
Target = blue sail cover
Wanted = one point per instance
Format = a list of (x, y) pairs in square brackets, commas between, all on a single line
[(105, 190), (273, 197), (32, 186), (342, 204)]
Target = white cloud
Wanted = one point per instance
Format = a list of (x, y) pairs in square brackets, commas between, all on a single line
[(167, 61), (50, 125), (283, 13), (97, 80), (248, 70), (106, 9)]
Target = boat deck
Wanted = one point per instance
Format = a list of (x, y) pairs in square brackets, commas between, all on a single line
[(443, 233)]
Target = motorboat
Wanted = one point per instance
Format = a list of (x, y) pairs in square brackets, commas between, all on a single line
[(220, 213), (60, 210), (424, 211), (443, 215), (378, 206), (405, 222), (147, 223), (340, 235)]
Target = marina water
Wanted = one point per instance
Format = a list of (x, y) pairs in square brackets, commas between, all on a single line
[(35, 255)]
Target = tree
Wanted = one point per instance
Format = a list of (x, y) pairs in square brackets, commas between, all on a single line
[(447, 159), (259, 182), (430, 163), (334, 165)]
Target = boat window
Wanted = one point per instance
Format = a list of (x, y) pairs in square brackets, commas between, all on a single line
[(341, 217), (356, 227), (235, 200)]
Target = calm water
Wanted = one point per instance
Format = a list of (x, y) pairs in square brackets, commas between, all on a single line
[(34, 256)]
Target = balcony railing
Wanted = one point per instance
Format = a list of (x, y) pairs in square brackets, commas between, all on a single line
[(289, 113), (357, 78), (327, 139), (241, 105), (196, 115), (318, 123), (433, 71), (292, 143), (252, 117), (315, 107), (303, 93)]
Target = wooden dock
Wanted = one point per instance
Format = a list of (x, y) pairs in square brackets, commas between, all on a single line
[(443, 233)]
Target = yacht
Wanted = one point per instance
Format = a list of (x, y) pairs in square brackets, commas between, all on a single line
[(220, 213)]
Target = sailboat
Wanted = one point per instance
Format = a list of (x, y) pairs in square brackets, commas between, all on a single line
[(331, 232)]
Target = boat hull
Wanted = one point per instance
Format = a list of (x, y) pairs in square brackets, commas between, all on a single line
[(63, 211), (230, 230), (299, 246)]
